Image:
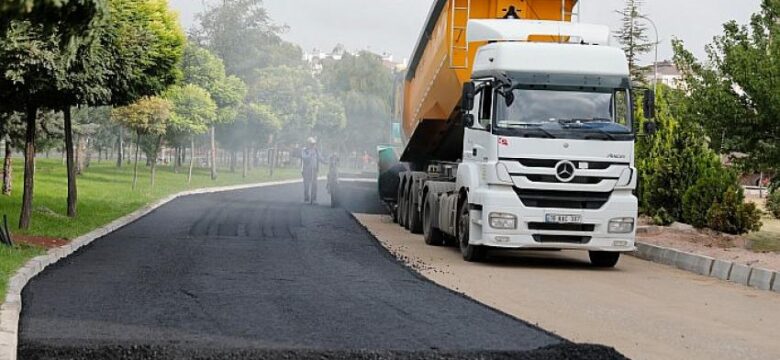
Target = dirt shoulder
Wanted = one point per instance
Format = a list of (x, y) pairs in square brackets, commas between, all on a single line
[(644, 310), (718, 246)]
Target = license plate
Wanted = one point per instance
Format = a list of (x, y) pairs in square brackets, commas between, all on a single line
[(564, 219)]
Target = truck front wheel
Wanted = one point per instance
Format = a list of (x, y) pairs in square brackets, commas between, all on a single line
[(471, 253), (604, 259)]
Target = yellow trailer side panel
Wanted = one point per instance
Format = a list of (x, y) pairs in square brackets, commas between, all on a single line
[(443, 61)]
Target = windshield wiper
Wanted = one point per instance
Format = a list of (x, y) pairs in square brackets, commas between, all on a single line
[(605, 133), (530, 126), (584, 121)]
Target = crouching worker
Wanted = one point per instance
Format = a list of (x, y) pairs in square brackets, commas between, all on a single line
[(311, 160)]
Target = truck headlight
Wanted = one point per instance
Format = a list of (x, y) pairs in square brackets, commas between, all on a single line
[(621, 226), (503, 221)]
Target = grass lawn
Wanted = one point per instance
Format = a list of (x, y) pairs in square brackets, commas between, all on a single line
[(768, 239), (105, 194)]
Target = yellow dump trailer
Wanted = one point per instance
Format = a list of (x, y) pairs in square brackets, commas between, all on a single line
[(442, 63)]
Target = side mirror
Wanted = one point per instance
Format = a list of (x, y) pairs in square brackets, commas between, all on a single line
[(469, 92), (651, 127), (648, 104), (468, 120), (509, 97)]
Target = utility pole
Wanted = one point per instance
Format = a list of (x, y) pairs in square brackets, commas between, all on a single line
[(655, 64)]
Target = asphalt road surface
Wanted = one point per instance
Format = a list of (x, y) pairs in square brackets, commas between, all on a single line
[(258, 274)]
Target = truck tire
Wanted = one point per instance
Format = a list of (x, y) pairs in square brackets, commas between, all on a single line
[(415, 218), (401, 208), (407, 207), (433, 236), (604, 259), (471, 253)]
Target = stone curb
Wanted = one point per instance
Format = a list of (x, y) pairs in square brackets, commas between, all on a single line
[(11, 309), (704, 265)]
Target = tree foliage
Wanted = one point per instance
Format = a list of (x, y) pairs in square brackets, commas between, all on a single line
[(146, 44), (633, 37), (193, 109), (148, 116), (672, 160), (242, 34), (69, 17), (734, 95)]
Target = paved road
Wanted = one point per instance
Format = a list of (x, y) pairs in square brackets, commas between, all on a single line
[(256, 273), (644, 310)]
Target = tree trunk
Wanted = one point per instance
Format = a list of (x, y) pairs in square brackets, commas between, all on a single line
[(78, 156), (8, 169), (176, 160), (272, 161), (154, 159), (87, 152), (192, 158), (135, 167), (71, 166), (29, 169), (245, 159), (233, 161), (213, 154)]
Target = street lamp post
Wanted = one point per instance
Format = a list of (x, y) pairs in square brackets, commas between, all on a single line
[(657, 41)]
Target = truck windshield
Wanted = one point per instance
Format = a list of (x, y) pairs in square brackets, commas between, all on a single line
[(597, 114)]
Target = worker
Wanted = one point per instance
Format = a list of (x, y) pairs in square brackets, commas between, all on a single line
[(311, 159)]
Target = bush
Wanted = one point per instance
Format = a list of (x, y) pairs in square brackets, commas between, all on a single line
[(708, 190), (662, 217), (672, 160), (732, 215), (773, 203)]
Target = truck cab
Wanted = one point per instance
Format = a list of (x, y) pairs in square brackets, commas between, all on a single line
[(548, 152)]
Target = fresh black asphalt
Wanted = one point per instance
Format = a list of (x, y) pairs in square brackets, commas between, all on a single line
[(258, 274)]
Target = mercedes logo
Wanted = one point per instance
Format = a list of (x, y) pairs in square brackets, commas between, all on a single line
[(564, 171)]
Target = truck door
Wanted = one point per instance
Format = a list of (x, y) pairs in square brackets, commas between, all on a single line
[(477, 138)]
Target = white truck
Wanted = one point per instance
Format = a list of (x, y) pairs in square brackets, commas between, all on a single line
[(537, 149)]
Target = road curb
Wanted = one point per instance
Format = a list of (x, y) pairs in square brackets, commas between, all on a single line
[(754, 277), (11, 308)]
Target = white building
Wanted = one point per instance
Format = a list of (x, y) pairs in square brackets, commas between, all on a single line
[(667, 74)]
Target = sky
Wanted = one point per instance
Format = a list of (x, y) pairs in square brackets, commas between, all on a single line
[(394, 25)]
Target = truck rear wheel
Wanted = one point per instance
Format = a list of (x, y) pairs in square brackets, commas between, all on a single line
[(415, 218), (433, 236), (604, 259), (401, 208), (471, 253)]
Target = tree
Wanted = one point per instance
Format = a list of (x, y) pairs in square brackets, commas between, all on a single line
[(85, 84), (204, 69), (633, 37), (364, 87), (147, 117), (288, 92), (672, 160), (45, 66), (241, 33), (32, 70), (193, 110), (70, 17), (734, 95)]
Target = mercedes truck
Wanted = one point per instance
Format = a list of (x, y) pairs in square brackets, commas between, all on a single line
[(519, 133)]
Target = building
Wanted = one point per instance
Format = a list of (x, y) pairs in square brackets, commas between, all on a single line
[(668, 74), (316, 58)]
